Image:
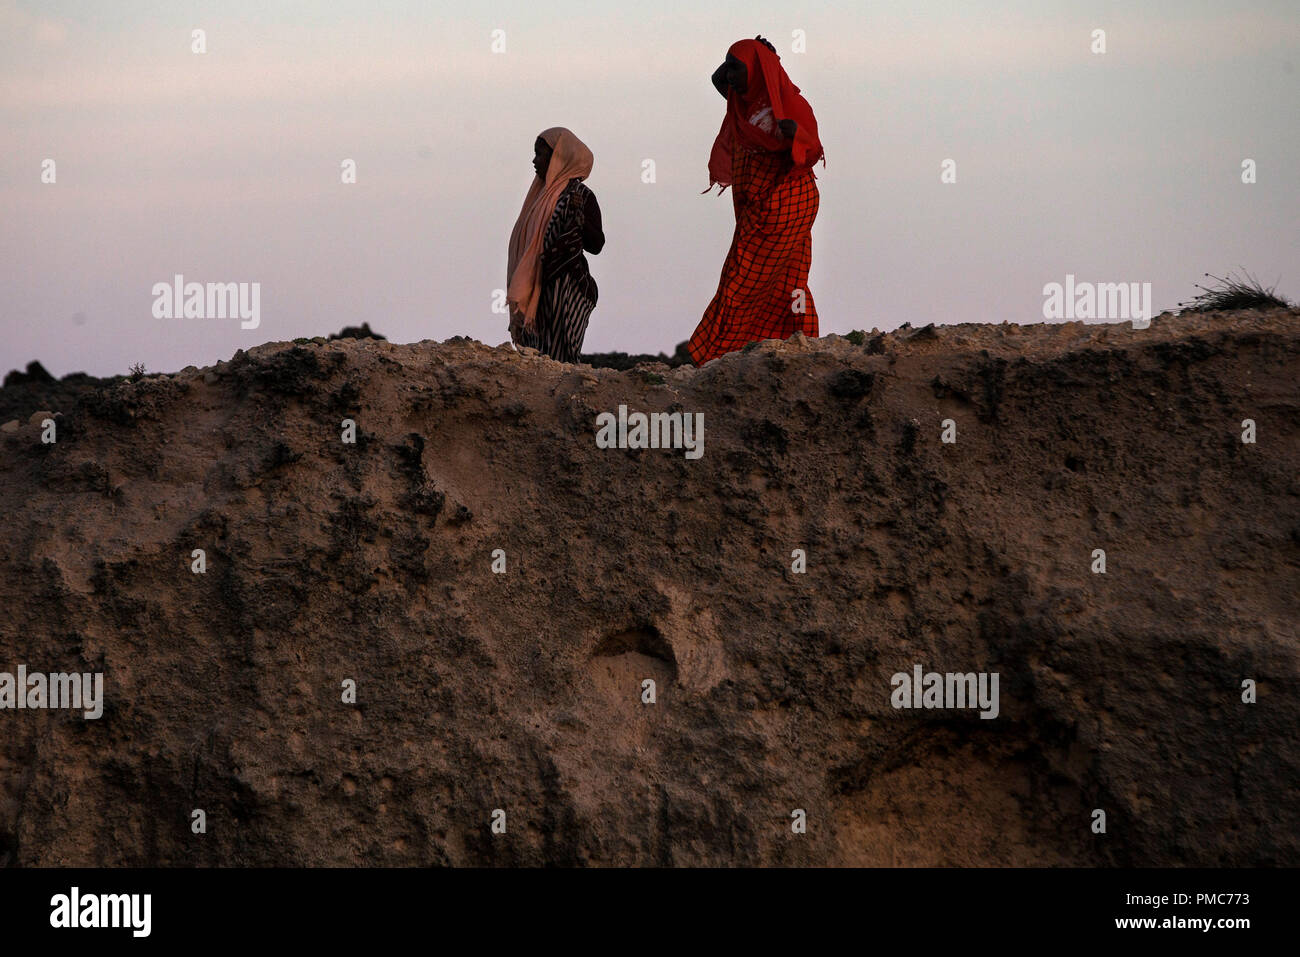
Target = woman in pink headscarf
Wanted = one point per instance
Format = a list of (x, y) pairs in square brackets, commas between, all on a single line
[(549, 290)]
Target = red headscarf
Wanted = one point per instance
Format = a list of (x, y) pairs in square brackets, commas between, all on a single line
[(768, 86)]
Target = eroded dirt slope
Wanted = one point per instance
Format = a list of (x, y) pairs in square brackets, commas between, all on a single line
[(522, 691)]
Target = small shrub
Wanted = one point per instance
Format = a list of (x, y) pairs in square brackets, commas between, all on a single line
[(1235, 292)]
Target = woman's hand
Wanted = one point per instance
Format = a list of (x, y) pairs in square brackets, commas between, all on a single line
[(788, 128)]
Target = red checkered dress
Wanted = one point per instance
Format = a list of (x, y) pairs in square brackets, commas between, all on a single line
[(770, 255)]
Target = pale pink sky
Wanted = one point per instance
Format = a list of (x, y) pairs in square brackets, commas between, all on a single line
[(224, 166)]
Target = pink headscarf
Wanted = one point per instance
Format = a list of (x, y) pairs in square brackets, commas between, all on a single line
[(569, 158)]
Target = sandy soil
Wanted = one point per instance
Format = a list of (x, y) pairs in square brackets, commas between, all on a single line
[(522, 691)]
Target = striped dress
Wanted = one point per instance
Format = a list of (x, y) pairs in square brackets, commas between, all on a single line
[(568, 293)]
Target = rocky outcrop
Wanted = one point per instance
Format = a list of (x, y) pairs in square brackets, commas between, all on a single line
[(499, 588), (36, 390)]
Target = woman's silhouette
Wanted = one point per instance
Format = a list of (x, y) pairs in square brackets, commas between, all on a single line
[(765, 151), (549, 290)]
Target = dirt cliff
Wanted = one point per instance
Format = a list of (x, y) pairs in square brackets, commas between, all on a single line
[(478, 689)]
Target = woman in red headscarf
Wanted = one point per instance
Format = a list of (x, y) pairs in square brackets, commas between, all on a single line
[(765, 152)]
